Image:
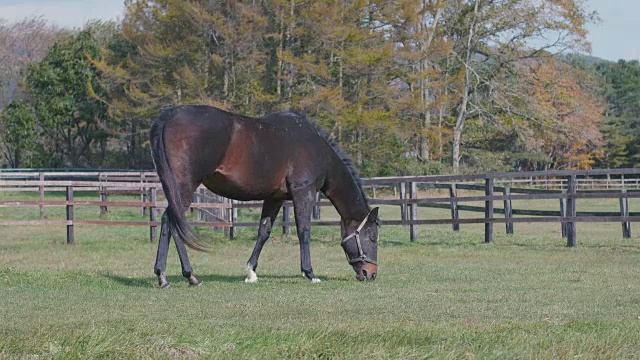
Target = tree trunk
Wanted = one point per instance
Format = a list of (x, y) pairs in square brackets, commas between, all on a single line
[(289, 90), (225, 89), (359, 159), (424, 153), (457, 135), (133, 144), (280, 55), (462, 110)]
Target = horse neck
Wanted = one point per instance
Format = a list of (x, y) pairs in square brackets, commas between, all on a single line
[(345, 195)]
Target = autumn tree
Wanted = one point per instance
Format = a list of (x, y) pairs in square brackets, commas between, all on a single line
[(421, 50), (569, 114), (397, 83), (175, 52), (490, 37)]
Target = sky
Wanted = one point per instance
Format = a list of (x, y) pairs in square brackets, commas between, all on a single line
[(617, 36), (64, 13)]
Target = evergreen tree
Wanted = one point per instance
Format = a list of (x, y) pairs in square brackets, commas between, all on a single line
[(68, 117)]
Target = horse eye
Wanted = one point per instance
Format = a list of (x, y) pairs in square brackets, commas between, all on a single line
[(373, 238)]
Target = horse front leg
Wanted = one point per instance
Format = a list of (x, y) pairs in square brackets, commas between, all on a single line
[(303, 201), (270, 209), (163, 248)]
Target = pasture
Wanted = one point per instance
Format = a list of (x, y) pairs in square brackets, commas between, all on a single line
[(448, 295)]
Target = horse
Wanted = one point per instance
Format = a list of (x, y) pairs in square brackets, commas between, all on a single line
[(278, 157)]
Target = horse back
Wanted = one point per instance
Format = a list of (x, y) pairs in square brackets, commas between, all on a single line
[(245, 158)]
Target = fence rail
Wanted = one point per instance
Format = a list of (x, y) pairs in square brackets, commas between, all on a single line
[(408, 193)]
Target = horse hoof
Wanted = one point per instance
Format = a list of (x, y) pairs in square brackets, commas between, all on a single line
[(162, 281), (314, 280), (251, 276), (193, 281)]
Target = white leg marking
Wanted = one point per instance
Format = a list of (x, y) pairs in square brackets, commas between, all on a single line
[(251, 276), (313, 281)]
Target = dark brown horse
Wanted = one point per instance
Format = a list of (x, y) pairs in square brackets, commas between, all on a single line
[(279, 157)]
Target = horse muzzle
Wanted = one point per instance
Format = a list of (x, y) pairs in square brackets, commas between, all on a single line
[(365, 271)]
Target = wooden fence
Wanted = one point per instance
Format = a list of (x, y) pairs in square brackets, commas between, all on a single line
[(566, 187)]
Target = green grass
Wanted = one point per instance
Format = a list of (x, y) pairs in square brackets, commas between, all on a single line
[(447, 295)]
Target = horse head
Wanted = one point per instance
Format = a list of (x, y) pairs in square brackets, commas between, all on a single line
[(360, 244)]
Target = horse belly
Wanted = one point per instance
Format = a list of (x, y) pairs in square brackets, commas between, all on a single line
[(252, 168), (236, 187)]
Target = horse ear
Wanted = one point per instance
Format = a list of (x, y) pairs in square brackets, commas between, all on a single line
[(373, 215)]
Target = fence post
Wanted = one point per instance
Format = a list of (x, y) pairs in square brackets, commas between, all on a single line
[(198, 200), (224, 213), (70, 239), (488, 211), (41, 187), (508, 210), (234, 220), (153, 229), (285, 218), (563, 213), (374, 191), (403, 206), (571, 211), (624, 211), (143, 195), (413, 194), (103, 196), (454, 206)]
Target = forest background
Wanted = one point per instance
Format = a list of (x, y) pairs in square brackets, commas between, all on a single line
[(406, 87)]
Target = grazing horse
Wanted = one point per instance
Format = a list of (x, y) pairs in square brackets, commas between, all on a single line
[(282, 156)]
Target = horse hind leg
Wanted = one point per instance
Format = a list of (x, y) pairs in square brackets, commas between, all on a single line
[(186, 191), (270, 209), (163, 248), (187, 271)]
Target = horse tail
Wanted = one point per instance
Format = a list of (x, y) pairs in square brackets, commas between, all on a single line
[(175, 216)]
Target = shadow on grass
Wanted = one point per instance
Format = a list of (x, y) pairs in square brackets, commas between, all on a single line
[(147, 282), (299, 277)]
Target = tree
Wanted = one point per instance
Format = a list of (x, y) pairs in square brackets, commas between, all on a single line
[(68, 117), (19, 136), (176, 52), (622, 130), (398, 83), (22, 43), (489, 37)]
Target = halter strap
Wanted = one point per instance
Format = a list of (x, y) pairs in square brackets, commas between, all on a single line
[(361, 255)]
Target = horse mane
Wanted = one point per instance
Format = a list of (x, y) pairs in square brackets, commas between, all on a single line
[(346, 160)]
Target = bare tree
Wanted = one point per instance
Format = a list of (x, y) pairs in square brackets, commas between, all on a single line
[(22, 43)]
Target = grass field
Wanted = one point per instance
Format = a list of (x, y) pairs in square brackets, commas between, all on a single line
[(448, 295)]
